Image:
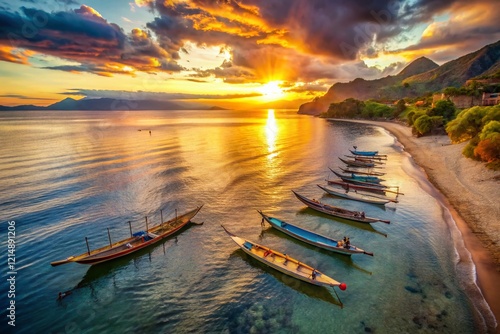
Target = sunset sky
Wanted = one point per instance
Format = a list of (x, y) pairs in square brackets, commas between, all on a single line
[(226, 53)]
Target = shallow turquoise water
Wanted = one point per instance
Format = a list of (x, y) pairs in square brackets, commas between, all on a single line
[(66, 176)]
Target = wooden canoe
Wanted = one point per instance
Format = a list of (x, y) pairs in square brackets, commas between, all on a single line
[(358, 216), (312, 238), (368, 153), (375, 188), (358, 196), (284, 263), (377, 161), (361, 178), (137, 241), (347, 170), (357, 163)]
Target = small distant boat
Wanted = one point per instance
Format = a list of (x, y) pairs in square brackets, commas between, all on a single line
[(285, 263), (371, 187), (358, 216), (347, 170), (313, 238), (137, 241), (357, 163), (357, 196), (361, 178)]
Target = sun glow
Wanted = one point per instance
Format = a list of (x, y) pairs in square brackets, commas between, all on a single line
[(271, 91)]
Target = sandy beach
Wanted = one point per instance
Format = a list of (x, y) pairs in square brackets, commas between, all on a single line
[(471, 194)]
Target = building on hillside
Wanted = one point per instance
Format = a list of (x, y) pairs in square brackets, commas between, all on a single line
[(491, 99), (460, 101)]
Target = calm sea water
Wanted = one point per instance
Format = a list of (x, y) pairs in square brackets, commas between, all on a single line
[(65, 176)]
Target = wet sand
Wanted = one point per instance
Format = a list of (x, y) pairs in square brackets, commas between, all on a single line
[(471, 194)]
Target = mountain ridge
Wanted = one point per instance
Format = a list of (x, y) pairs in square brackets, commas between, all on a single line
[(420, 76)]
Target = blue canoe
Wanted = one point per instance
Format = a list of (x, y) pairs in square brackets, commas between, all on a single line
[(313, 238)]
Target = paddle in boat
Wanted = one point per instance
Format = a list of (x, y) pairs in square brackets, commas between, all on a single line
[(137, 241), (359, 196), (321, 241), (358, 216), (284, 263)]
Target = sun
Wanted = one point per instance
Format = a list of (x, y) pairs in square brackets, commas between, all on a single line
[(271, 91)]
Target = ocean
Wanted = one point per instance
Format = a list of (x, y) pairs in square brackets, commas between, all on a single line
[(67, 176)]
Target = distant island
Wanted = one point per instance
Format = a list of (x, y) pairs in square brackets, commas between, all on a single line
[(108, 104)]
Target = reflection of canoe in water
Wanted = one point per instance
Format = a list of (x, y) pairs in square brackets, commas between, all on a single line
[(285, 263), (358, 216), (313, 238), (358, 196), (137, 241)]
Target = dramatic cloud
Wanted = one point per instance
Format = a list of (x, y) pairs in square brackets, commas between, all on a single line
[(83, 36), (288, 41)]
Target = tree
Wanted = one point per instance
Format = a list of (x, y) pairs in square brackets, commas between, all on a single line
[(423, 124), (469, 123), (400, 107), (444, 108)]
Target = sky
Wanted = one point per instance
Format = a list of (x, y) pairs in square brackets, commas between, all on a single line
[(224, 52)]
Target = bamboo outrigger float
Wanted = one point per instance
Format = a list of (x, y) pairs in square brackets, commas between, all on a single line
[(285, 263), (137, 241), (358, 216), (313, 238)]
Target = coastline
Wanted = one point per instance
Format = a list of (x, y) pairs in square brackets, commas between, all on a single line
[(470, 191)]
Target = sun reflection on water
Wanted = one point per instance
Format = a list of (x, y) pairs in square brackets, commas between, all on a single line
[(271, 133)]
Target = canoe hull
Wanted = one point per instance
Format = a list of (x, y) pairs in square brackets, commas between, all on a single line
[(311, 238), (359, 198), (334, 211), (283, 263), (133, 244)]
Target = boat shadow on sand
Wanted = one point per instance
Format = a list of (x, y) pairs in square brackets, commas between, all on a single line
[(344, 258), (310, 290), (363, 226)]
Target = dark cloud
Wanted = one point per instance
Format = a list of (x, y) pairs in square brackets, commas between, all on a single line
[(24, 97), (84, 36)]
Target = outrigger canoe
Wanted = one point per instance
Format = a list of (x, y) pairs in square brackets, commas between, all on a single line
[(347, 170), (137, 241), (358, 216), (313, 238), (375, 160), (371, 187), (358, 196), (285, 263), (366, 153), (357, 163), (359, 178)]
